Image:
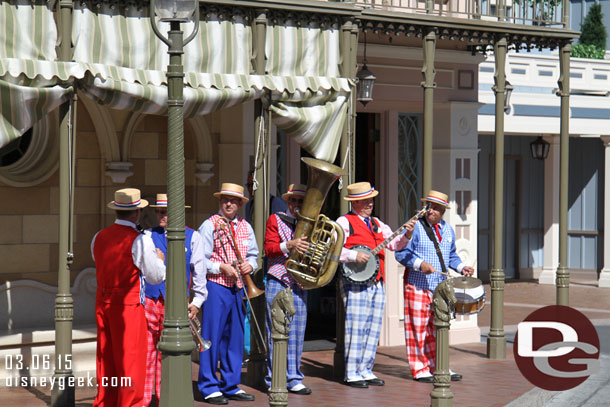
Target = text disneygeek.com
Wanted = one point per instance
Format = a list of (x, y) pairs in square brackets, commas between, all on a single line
[(63, 382)]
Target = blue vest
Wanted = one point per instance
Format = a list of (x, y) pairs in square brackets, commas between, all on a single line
[(158, 237)]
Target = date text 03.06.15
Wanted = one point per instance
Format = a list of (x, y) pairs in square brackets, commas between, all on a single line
[(36, 362)]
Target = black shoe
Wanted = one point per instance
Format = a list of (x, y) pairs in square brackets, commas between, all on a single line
[(361, 384), (375, 382), (455, 377), (304, 391), (425, 379), (216, 400), (240, 396)]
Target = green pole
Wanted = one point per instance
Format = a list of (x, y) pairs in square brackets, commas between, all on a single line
[(428, 72), (64, 304), (351, 170), (501, 10), (496, 341), (562, 282), (176, 343), (257, 365), (349, 44)]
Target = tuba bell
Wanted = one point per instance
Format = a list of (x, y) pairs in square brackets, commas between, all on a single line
[(316, 267)]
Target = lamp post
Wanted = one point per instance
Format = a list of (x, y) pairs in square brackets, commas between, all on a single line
[(176, 342)]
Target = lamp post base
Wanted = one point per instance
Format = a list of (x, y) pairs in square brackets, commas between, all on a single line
[(496, 347)]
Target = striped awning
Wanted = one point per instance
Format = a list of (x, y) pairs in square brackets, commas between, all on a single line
[(119, 62), (22, 106), (297, 49), (310, 109)]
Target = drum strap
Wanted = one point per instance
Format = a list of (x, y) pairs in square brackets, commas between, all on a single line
[(430, 234)]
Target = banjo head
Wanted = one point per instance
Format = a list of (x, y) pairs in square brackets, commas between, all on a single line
[(361, 273)]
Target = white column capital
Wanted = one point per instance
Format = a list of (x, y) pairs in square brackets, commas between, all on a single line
[(605, 140)]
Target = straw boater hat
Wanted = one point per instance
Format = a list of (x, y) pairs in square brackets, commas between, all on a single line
[(438, 198), (294, 190), (127, 199), (231, 190), (360, 190), (161, 202)]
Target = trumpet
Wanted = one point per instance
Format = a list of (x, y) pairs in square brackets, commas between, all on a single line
[(200, 343)]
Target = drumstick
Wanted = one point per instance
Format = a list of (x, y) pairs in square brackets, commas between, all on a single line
[(443, 273), (449, 274)]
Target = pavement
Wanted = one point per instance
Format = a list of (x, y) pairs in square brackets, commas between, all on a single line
[(486, 382)]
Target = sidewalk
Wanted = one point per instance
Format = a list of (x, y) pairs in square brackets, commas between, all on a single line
[(486, 383)]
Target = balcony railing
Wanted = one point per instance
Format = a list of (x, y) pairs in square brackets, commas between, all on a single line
[(528, 12)]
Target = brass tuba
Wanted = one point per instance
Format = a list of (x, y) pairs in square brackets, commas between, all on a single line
[(316, 267)]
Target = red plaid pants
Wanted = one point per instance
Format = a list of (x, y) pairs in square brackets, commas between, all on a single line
[(155, 312), (420, 333)]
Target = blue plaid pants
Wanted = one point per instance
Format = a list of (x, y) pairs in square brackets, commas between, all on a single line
[(364, 304), (296, 337)]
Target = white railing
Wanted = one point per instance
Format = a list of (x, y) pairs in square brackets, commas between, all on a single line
[(587, 76), (529, 12)]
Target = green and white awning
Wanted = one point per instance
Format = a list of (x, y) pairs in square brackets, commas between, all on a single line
[(119, 62)]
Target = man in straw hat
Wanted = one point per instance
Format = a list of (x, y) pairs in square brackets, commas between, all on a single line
[(225, 237), (421, 259), (279, 240), (364, 303), (155, 293), (124, 258)]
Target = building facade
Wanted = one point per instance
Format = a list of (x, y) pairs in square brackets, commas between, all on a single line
[(286, 89)]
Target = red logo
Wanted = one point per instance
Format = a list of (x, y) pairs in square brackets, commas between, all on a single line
[(556, 348)]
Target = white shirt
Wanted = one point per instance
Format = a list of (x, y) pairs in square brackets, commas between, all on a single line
[(198, 268), (143, 254)]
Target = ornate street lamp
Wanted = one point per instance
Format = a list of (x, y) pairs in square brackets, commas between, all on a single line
[(176, 342), (366, 80), (539, 148)]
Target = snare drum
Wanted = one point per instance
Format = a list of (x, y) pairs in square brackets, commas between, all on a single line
[(470, 295)]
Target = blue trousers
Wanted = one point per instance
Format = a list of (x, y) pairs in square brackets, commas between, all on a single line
[(223, 324), (296, 337)]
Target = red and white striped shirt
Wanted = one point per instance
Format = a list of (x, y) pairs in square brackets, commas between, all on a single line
[(218, 246)]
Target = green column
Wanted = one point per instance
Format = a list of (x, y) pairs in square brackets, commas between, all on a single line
[(501, 10), (349, 64), (257, 365), (176, 342), (562, 282), (428, 72), (565, 16), (496, 341), (64, 304)]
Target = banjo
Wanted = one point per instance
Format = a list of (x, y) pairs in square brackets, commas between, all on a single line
[(362, 273)]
